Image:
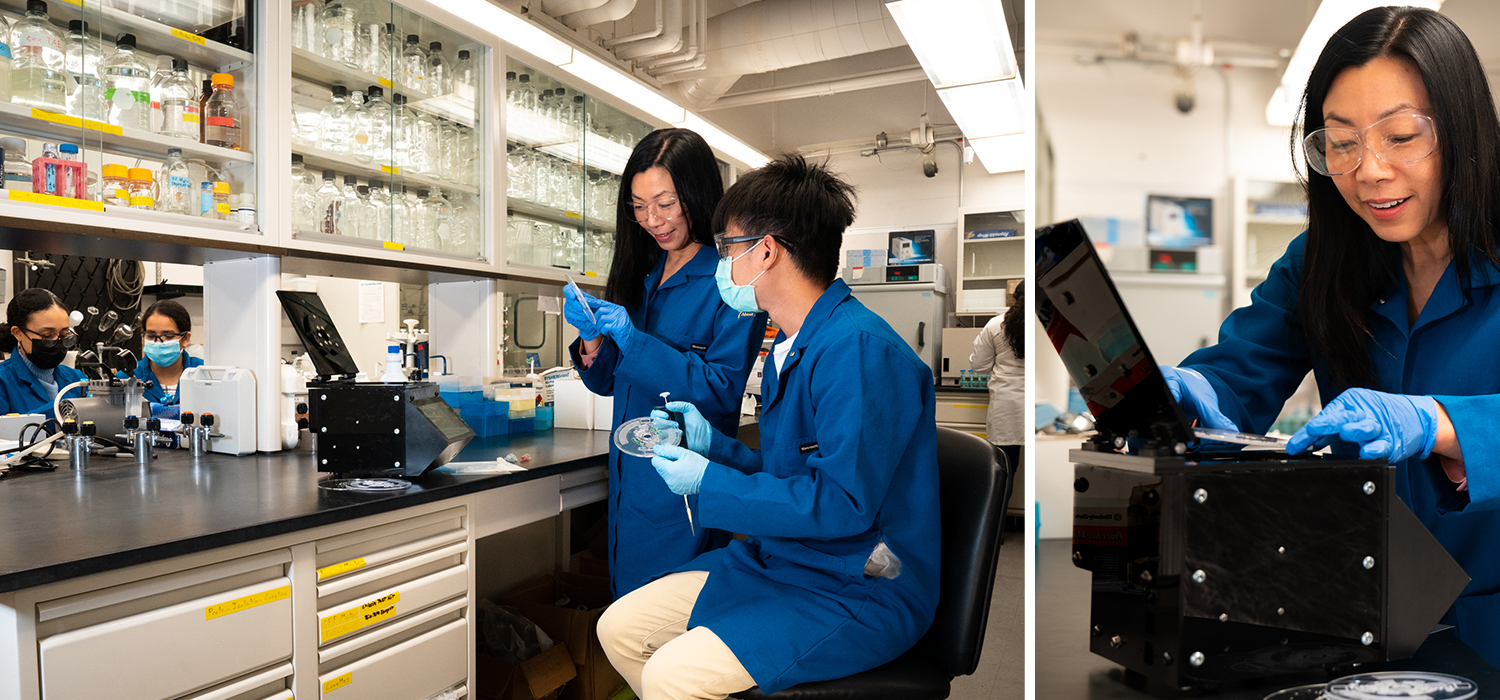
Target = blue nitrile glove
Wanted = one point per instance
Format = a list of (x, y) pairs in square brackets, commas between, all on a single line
[(614, 321), (681, 468), (698, 432), (163, 411), (1201, 401), (573, 313), (1392, 427)]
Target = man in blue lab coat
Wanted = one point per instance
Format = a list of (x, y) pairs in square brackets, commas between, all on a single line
[(839, 573)]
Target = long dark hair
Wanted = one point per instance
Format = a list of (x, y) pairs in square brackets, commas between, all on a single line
[(174, 313), (1347, 267), (20, 310), (1014, 325), (695, 175)]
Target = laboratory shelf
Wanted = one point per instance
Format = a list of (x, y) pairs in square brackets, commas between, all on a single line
[(1007, 239), (317, 69), (317, 159), (117, 216), (556, 216), (375, 244), (50, 126), (152, 37), (995, 278), (549, 138)]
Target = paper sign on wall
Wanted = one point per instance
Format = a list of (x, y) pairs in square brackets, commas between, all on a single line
[(372, 302)]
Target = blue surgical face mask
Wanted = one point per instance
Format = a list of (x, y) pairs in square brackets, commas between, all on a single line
[(163, 353), (740, 297)]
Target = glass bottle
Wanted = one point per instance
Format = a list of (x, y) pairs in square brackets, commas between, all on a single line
[(542, 239), (38, 73), (401, 216), (203, 95), (439, 76), (548, 107), (222, 209), (304, 197), (82, 59), (206, 199), (447, 151), (176, 184), (222, 114), (179, 103), (306, 126), (380, 212), (127, 86), (526, 96), (424, 148), (510, 93), (403, 123), (423, 221), (158, 77), (413, 65), (375, 49), (340, 34), (464, 238), (328, 204), (334, 127), (139, 184), (116, 190), (576, 119), (466, 149), (466, 78), (361, 217), (442, 220), (307, 21), (7, 61), (375, 124), (349, 204), (543, 101)]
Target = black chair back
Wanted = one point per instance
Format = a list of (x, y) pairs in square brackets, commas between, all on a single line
[(973, 480)]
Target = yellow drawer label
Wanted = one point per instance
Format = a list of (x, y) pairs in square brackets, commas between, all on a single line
[(392, 245), (54, 200), (190, 118), (572, 215), (138, 201), (67, 120), (981, 407), (223, 208), (385, 83), (74, 2), (595, 274), (390, 170), (337, 682), (247, 602), (356, 619), (342, 567), (185, 36)]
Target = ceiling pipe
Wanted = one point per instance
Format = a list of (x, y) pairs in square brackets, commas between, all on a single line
[(697, 94), (689, 49), (821, 89), (610, 11), (696, 64), (669, 41), (558, 8), (641, 36), (693, 57)]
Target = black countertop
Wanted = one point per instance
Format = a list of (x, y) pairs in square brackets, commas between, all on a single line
[(60, 525), (1067, 670)]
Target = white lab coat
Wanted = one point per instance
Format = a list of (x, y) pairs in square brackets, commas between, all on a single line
[(1005, 424)]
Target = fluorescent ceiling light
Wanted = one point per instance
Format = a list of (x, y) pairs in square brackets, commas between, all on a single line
[(958, 42), (1330, 17), (995, 108), (607, 78), (721, 140), (511, 29), (1003, 154)]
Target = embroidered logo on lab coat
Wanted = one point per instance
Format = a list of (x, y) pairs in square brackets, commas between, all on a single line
[(699, 346), (809, 447)]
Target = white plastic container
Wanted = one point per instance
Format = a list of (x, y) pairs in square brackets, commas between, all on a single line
[(229, 394)]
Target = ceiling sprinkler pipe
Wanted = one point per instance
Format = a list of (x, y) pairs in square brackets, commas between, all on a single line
[(669, 41), (610, 11)]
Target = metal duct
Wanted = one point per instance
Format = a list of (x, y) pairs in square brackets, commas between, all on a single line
[(648, 34), (610, 11), (821, 89), (692, 55), (775, 34), (558, 8), (669, 41)]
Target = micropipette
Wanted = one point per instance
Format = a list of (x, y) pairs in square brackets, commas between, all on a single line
[(578, 294)]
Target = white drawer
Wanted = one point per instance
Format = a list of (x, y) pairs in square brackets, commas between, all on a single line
[(387, 604), (412, 670), (377, 546), (173, 650)]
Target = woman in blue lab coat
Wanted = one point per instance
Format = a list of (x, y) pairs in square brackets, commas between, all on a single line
[(663, 329), (38, 336), (1390, 297), (168, 329), (840, 572)]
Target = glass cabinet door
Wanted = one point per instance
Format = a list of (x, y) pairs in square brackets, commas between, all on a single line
[(387, 139), (143, 108)]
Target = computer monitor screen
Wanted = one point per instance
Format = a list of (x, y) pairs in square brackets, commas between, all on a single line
[(1179, 222)]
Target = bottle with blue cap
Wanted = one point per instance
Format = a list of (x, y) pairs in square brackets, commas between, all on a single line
[(393, 373)]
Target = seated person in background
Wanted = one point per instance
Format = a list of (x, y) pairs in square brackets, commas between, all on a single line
[(38, 336), (840, 571), (165, 339)]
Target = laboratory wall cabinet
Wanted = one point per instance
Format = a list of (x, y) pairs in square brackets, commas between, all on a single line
[(1265, 217), (992, 252)]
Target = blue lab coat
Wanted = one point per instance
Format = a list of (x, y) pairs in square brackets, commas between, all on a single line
[(155, 394), (21, 393), (687, 342), (848, 458), (1449, 354)]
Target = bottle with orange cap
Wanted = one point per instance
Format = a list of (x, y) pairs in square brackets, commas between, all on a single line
[(141, 190), (221, 114)]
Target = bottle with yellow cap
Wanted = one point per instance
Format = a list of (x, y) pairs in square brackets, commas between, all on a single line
[(142, 195), (222, 210), (116, 188), (222, 114)]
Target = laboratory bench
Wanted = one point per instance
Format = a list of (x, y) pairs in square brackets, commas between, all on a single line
[(238, 578), (1067, 670)]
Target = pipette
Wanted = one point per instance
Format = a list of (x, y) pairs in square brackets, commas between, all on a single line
[(578, 294), (681, 425)]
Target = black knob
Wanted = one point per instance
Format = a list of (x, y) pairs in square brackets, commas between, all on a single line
[(153, 425), (88, 429), (187, 417), (132, 422), (302, 424), (207, 420), (70, 427), (302, 407)]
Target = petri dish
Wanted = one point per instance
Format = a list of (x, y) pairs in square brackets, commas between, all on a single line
[(1402, 684), (1301, 692), (365, 485), (637, 436)]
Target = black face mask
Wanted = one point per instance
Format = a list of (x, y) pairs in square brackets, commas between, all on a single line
[(46, 354)]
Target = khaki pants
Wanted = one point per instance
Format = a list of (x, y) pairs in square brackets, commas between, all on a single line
[(645, 636)]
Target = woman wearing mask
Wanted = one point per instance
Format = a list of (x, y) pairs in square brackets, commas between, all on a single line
[(38, 336), (165, 342), (1392, 296), (664, 328)]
